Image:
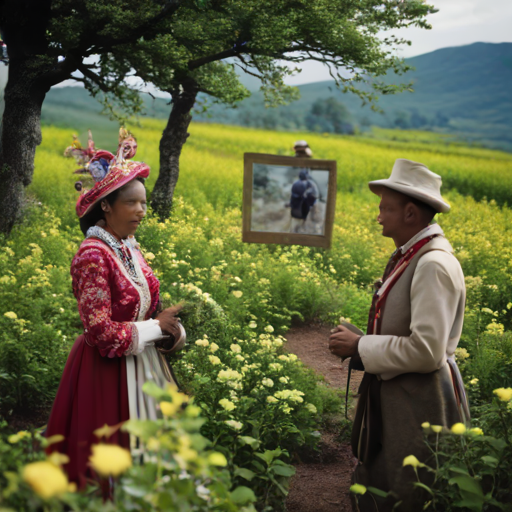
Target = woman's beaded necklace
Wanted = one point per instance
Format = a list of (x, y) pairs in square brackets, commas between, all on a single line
[(120, 249)]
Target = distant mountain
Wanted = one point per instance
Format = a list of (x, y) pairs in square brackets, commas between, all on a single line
[(463, 90)]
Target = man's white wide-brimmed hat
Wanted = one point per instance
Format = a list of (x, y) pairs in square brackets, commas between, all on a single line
[(414, 180)]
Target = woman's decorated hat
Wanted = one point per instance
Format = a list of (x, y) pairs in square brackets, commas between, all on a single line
[(110, 172)]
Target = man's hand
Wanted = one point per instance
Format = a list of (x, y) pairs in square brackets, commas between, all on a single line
[(343, 342)]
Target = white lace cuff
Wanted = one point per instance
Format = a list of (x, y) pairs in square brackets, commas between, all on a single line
[(144, 333)]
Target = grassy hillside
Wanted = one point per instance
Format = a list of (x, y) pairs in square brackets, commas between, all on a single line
[(463, 90)]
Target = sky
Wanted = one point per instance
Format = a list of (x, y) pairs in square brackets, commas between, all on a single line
[(457, 23)]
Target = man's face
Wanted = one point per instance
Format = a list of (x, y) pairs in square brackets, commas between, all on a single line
[(391, 213)]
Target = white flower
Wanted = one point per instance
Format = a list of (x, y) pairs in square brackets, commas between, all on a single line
[(235, 425), (202, 343), (214, 360), (214, 347), (269, 328), (268, 383), (235, 348), (311, 408), (271, 400), (284, 380), (253, 325), (237, 293)]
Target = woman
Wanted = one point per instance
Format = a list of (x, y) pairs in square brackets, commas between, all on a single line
[(117, 296)]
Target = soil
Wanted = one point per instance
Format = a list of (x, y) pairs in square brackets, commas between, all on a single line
[(322, 483)]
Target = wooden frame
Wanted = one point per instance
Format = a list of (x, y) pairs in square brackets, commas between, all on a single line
[(265, 220)]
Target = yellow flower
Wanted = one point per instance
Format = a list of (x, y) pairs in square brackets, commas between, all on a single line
[(11, 314), (149, 256), (473, 381), (46, 479), (272, 399), (58, 459), (202, 343), (214, 347), (228, 405), (214, 359), (269, 328), (110, 459), (268, 383), (357, 489), (235, 348), (253, 325), (411, 460), (476, 431), (458, 428), (217, 459), (425, 425), (504, 394), (437, 428), (237, 293)]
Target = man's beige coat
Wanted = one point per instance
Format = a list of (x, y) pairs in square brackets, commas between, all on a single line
[(420, 327)]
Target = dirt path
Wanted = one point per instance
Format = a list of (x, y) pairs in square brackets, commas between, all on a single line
[(322, 485)]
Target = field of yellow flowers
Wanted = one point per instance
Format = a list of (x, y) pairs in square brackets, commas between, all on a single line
[(257, 404)]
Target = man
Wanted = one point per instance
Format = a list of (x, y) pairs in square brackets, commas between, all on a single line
[(302, 149), (304, 195), (414, 326)]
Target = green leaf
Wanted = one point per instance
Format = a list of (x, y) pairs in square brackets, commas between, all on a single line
[(377, 492), (283, 470), (253, 443), (468, 484), (424, 487), (461, 471), (490, 461), (141, 428), (151, 389), (243, 495), (245, 473)]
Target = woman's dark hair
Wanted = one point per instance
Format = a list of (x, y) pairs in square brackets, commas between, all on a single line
[(96, 214)]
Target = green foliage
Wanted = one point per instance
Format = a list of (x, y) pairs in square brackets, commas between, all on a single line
[(240, 298), (177, 469), (472, 470)]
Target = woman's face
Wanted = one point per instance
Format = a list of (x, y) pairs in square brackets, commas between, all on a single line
[(126, 213)]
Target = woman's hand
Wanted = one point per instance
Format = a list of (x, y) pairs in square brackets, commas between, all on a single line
[(169, 321)]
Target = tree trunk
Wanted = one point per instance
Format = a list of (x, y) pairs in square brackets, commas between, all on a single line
[(20, 136), (173, 138)]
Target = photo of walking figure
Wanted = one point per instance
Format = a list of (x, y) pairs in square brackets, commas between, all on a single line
[(289, 199)]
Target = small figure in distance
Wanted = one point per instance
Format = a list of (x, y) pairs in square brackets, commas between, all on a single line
[(302, 149)]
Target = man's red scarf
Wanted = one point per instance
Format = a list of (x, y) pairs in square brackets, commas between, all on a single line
[(394, 269)]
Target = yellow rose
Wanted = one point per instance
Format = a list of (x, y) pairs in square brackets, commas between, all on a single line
[(110, 459), (458, 428), (411, 460), (46, 479), (357, 489), (504, 394), (217, 459)]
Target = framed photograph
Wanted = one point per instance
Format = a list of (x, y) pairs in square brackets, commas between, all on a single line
[(288, 200)]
